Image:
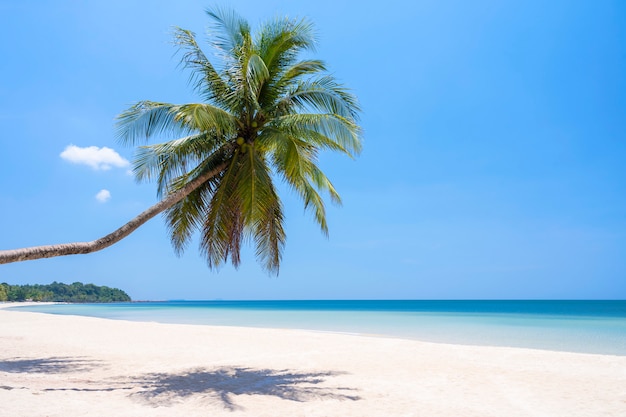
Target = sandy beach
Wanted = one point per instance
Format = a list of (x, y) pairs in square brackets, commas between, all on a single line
[(78, 366)]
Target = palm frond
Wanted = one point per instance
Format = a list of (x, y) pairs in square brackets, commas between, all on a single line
[(206, 117), (261, 208), (280, 83), (169, 160), (146, 119), (269, 234), (203, 76), (322, 183), (230, 29), (295, 160), (332, 128), (257, 75), (187, 216), (222, 231), (325, 95), (280, 41), (302, 68), (254, 182)]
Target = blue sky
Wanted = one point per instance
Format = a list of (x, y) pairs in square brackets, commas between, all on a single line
[(493, 165)]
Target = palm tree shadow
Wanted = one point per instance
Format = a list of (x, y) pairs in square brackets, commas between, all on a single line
[(51, 365), (224, 383)]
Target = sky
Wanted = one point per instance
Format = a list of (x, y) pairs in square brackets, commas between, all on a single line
[(494, 160)]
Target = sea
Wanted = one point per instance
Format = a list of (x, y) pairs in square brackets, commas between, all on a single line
[(597, 327)]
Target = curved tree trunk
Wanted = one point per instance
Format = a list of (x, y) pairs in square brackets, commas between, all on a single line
[(50, 251)]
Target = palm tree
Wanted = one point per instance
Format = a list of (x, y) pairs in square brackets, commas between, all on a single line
[(266, 114)]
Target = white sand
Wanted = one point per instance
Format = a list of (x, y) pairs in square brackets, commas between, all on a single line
[(78, 366)]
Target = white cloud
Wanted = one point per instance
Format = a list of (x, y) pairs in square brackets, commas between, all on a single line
[(97, 158), (103, 196)]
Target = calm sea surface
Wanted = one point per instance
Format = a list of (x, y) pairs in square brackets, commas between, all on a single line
[(573, 326)]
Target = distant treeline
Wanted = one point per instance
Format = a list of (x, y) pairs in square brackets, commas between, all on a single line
[(59, 292)]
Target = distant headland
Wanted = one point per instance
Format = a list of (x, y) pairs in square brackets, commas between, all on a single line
[(59, 292)]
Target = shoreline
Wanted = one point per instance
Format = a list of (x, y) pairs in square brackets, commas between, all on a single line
[(596, 331), (52, 365)]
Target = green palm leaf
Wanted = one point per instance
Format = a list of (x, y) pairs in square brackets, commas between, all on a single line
[(230, 29), (204, 78)]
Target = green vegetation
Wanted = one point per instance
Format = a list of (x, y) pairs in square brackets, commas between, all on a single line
[(59, 292)]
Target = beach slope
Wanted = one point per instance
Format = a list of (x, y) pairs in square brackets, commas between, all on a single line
[(78, 366)]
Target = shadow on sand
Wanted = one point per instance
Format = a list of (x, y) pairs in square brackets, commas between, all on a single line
[(52, 365), (219, 385), (223, 383)]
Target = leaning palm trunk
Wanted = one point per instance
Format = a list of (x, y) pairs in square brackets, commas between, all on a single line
[(51, 251)]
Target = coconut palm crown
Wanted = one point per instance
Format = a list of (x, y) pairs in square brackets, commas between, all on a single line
[(266, 114)]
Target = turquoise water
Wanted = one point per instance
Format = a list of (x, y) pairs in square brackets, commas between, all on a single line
[(573, 326)]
